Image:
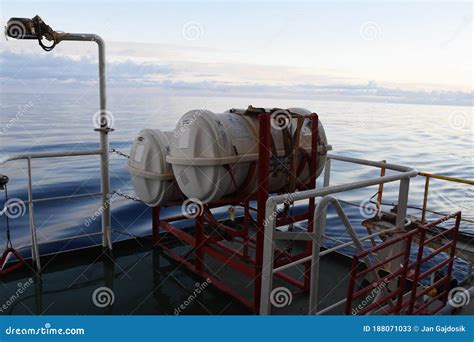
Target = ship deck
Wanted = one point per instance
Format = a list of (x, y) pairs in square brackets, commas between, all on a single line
[(145, 281)]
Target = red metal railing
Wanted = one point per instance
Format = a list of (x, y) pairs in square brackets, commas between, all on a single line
[(408, 300)]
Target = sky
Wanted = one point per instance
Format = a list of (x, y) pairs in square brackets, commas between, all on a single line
[(414, 52)]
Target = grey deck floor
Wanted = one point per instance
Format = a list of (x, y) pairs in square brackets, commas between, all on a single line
[(145, 281)]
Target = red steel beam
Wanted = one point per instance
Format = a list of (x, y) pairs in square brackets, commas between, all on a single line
[(313, 167), (264, 147)]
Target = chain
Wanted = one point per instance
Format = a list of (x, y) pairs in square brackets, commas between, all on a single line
[(130, 197), (113, 150)]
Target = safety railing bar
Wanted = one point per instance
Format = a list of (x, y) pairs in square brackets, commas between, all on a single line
[(385, 244), (332, 239), (306, 194), (434, 268), (429, 288), (46, 199), (442, 219), (446, 178), (428, 176), (379, 164), (266, 281), (60, 240), (437, 236), (316, 255), (331, 250), (59, 154), (351, 243), (69, 250), (437, 251), (402, 272), (293, 236)]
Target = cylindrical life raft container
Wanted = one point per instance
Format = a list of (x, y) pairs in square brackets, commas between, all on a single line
[(212, 154), (152, 177)]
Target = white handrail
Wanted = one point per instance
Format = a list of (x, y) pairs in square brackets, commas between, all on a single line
[(31, 216), (37, 155), (404, 175)]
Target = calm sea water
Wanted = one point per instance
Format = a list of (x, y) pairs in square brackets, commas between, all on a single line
[(436, 139)]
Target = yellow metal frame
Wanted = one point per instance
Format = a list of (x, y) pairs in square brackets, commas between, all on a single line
[(427, 176)]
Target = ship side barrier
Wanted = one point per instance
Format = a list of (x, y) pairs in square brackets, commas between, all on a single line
[(34, 244), (415, 297), (403, 175)]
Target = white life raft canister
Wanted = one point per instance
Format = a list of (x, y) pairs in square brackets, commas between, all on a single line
[(152, 177), (211, 154)]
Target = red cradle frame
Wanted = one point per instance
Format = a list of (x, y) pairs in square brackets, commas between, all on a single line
[(242, 262)]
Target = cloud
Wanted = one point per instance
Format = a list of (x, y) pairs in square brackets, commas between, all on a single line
[(62, 73), (50, 67)]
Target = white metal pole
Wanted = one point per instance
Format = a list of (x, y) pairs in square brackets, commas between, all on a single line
[(268, 255), (104, 145), (34, 242), (103, 130)]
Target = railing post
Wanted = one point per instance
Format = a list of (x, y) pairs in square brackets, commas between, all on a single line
[(315, 261), (380, 192), (264, 148), (425, 200), (34, 242), (104, 146), (402, 203), (268, 256), (326, 182), (400, 224), (313, 169)]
